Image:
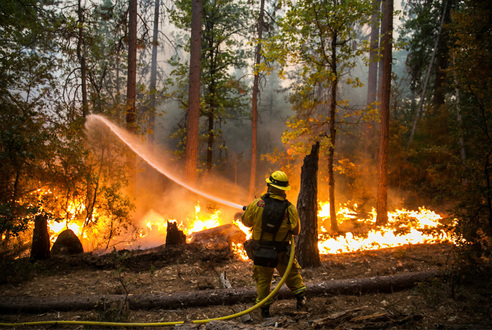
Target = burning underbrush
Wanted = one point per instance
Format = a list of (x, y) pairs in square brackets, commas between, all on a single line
[(357, 230), (360, 250)]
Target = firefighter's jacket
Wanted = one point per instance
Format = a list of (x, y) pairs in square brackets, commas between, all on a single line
[(290, 224)]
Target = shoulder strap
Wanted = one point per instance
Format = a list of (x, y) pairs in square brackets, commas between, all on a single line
[(273, 215)]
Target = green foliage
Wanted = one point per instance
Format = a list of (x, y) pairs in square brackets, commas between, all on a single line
[(418, 33), (472, 54), (224, 94), (23, 159), (321, 41), (449, 160)]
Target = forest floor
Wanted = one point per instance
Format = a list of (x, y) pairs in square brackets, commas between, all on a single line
[(449, 302)]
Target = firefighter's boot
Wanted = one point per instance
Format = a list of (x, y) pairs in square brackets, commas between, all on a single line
[(301, 301), (265, 311)]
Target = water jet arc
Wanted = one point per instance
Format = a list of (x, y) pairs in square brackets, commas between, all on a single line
[(122, 135)]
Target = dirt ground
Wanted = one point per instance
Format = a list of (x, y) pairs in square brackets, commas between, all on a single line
[(449, 302)]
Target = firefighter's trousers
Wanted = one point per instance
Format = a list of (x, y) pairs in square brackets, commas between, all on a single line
[(263, 277)]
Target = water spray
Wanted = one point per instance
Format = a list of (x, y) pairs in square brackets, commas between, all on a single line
[(121, 134), (138, 149)]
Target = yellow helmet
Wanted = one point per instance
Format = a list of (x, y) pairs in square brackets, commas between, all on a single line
[(278, 179)]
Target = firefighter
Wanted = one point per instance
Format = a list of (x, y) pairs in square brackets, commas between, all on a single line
[(273, 220)]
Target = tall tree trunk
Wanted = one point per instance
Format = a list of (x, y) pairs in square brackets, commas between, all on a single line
[(81, 58), (442, 58), (131, 91), (307, 206), (372, 79), (132, 66), (153, 74), (254, 108), (427, 77), (193, 116), (333, 132), (380, 60), (386, 41)]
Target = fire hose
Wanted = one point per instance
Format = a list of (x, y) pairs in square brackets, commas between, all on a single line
[(159, 324)]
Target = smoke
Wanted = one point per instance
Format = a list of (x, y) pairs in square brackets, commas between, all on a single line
[(162, 193)]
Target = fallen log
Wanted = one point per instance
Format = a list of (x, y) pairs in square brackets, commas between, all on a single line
[(356, 286), (227, 233)]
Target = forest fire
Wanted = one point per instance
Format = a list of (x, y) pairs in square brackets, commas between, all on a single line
[(403, 227), (358, 230)]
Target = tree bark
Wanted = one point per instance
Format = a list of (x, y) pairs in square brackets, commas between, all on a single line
[(372, 79), (442, 58), (355, 286), (426, 79), (307, 205), (40, 249), (193, 116), (153, 74), (386, 41), (81, 58), (227, 233), (174, 236), (132, 66), (333, 131), (254, 108)]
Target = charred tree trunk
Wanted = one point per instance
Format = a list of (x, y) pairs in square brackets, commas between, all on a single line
[(174, 235), (193, 115), (307, 206), (40, 249), (386, 41)]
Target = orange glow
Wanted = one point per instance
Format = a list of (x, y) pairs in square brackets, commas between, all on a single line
[(238, 249), (202, 222), (403, 227), (358, 231)]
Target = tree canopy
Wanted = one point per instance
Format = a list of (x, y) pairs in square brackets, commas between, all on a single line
[(63, 61)]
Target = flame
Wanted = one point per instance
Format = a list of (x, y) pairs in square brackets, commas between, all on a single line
[(238, 248), (239, 251), (202, 222), (359, 231), (246, 230), (403, 227)]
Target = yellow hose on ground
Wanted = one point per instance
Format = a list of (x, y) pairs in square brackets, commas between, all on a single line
[(159, 324)]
